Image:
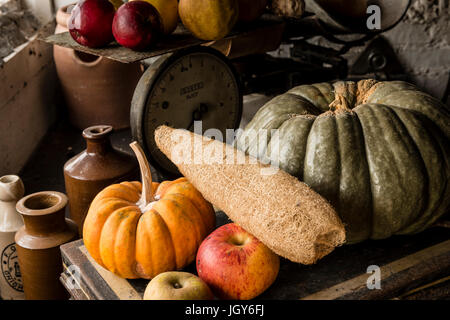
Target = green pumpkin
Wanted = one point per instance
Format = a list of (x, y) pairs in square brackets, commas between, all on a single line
[(378, 151)]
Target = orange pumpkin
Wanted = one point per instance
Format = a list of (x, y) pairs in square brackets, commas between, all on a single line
[(140, 230)]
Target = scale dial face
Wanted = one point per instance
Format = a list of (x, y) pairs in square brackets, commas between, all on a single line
[(193, 84)]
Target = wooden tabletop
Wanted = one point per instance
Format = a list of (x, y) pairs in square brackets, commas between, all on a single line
[(411, 267)]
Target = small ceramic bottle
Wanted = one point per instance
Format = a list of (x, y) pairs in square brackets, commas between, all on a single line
[(45, 230), (11, 190), (97, 167)]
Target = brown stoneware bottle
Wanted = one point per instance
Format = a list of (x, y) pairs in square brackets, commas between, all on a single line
[(45, 229), (97, 167)]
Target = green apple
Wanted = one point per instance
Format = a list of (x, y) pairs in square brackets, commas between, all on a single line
[(177, 285)]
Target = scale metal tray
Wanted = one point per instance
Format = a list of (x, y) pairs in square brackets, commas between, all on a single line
[(180, 39)]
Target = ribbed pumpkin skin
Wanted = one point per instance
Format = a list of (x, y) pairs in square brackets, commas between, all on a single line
[(383, 163), (133, 244)]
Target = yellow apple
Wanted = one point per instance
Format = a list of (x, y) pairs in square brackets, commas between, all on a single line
[(116, 3), (176, 285)]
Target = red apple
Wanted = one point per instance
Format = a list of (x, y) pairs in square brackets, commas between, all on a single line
[(177, 285), (137, 25), (90, 23), (236, 265)]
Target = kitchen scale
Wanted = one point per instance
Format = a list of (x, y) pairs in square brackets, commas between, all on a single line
[(189, 82), (194, 84)]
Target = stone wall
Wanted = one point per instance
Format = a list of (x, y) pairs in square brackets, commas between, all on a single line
[(422, 43)]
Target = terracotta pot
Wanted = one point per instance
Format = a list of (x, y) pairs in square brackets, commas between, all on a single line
[(96, 90), (38, 241), (11, 190), (94, 169)]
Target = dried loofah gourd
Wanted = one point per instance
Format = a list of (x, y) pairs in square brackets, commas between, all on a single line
[(282, 212)]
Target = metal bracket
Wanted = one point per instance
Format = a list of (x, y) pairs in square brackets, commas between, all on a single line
[(319, 58), (379, 59)]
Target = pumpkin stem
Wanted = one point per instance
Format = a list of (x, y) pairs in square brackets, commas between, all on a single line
[(344, 93), (339, 103), (146, 175)]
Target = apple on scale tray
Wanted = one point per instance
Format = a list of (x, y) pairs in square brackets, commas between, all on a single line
[(181, 38)]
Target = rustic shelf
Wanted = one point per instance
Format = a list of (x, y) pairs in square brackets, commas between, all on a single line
[(180, 39), (411, 267)]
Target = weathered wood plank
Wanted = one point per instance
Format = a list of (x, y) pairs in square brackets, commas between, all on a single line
[(73, 285), (409, 263), (296, 281), (121, 287), (89, 280), (27, 92), (430, 259)]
